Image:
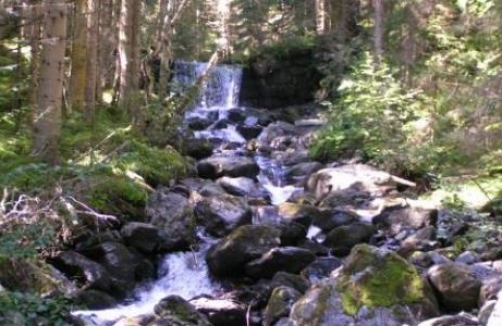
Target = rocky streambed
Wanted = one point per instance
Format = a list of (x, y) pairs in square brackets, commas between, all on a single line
[(263, 235)]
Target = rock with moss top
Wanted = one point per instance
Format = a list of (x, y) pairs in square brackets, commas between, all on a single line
[(175, 311), (374, 287), (229, 256), (279, 304)]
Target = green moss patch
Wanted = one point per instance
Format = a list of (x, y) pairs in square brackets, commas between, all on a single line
[(372, 277)]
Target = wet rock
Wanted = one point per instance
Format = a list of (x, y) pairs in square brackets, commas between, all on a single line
[(143, 236), (249, 132), (200, 123), (173, 214), (294, 281), (87, 272), (221, 312), (174, 310), (485, 312), (456, 288), (423, 240), (95, 299), (198, 148), (342, 239), (119, 262), (490, 289), (287, 259), (229, 256), (232, 166), (458, 320), (242, 186), (330, 219), (321, 268), (279, 304), (298, 172), (222, 214), (395, 219), (291, 233), (298, 213), (275, 131), (468, 258)]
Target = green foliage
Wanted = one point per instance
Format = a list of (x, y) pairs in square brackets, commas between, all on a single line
[(369, 115), (26, 240), (26, 309)]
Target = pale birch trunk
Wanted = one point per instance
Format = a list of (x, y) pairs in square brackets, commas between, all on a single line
[(47, 131), (320, 17), (78, 56)]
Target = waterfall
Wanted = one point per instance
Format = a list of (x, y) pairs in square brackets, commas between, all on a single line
[(220, 89)]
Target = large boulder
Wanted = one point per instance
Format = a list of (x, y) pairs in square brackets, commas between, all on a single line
[(456, 287), (144, 237), (343, 238), (173, 214), (221, 214), (397, 218), (229, 256), (87, 272), (232, 166), (374, 287), (175, 311), (287, 259), (221, 312)]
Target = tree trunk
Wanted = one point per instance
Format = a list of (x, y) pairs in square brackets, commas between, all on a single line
[(92, 58), (320, 17), (47, 131), (378, 7), (107, 45), (34, 36), (129, 59), (78, 56)]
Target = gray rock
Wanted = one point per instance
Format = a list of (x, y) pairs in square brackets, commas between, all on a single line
[(287, 259), (221, 312), (457, 289), (222, 214), (232, 166), (143, 236), (490, 289), (300, 171), (242, 186), (342, 239), (95, 299), (229, 256), (175, 311), (458, 320), (320, 268), (294, 281), (84, 270), (485, 312), (330, 219), (395, 219), (279, 304), (468, 258), (173, 214), (198, 148)]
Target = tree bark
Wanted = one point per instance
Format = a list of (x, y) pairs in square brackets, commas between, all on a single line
[(92, 58), (129, 59), (378, 8), (320, 17), (47, 131), (34, 36), (78, 56)]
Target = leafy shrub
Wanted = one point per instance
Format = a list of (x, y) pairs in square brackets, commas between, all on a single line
[(26, 309)]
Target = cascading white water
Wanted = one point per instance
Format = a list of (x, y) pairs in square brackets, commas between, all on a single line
[(183, 273), (186, 273)]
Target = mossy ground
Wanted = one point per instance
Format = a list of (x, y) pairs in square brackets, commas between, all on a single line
[(373, 281)]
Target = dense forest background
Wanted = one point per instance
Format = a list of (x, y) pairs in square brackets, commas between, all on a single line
[(87, 110)]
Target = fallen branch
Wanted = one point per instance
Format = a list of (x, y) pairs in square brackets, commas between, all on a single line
[(89, 211)]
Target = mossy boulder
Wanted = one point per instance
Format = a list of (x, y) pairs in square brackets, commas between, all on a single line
[(174, 310), (374, 287), (375, 277)]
